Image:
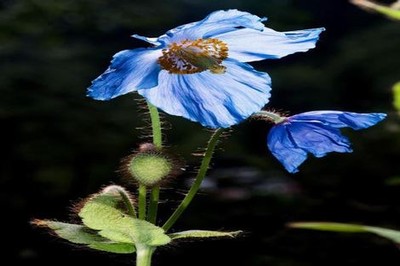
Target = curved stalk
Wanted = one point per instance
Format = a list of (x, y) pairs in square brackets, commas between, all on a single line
[(157, 141), (199, 179)]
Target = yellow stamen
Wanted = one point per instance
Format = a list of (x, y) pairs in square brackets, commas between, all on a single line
[(189, 57)]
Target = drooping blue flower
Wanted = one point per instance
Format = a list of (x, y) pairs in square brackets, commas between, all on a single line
[(292, 138), (198, 70)]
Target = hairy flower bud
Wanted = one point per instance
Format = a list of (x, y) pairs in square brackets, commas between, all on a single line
[(149, 166)]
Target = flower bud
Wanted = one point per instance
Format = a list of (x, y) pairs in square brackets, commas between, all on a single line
[(149, 166)]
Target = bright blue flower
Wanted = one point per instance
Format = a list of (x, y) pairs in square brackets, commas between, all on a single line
[(315, 132), (198, 70)]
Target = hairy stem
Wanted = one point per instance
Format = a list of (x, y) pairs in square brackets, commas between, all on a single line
[(199, 179), (143, 256), (127, 202), (157, 141), (274, 117), (142, 202)]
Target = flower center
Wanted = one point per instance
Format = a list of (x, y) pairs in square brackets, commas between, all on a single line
[(189, 57)]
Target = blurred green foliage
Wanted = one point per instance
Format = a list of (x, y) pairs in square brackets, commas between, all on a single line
[(396, 96)]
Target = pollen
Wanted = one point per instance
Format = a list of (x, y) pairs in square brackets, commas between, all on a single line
[(189, 57)]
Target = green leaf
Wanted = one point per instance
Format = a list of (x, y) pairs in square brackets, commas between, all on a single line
[(396, 96), (334, 227), (109, 224), (102, 212), (384, 232), (120, 248), (390, 234), (80, 234), (74, 233), (203, 234), (390, 12)]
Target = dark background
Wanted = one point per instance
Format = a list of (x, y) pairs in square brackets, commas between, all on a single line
[(59, 146)]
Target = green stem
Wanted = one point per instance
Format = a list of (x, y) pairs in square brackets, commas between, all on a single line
[(156, 125), (143, 256), (142, 202), (127, 202), (157, 141), (153, 207), (196, 184)]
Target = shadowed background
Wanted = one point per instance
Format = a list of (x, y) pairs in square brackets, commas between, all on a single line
[(59, 146)]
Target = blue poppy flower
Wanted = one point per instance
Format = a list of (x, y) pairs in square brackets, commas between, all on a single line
[(292, 138), (198, 70)]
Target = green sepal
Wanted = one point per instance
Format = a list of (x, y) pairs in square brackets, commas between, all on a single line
[(390, 234), (79, 234), (203, 234)]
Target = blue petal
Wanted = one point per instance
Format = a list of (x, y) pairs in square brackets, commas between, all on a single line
[(215, 23), (340, 119), (248, 45), (317, 138), (235, 18), (129, 71), (214, 100), (282, 146), (153, 41)]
